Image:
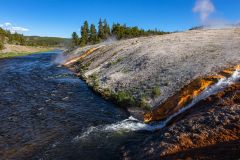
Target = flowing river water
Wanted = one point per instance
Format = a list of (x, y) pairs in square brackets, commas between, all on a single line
[(46, 112)]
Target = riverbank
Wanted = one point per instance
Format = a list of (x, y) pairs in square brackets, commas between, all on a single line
[(144, 72), (165, 74), (19, 50)]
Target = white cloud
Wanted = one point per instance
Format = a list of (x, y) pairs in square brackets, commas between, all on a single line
[(204, 8), (8, 24), (21, 29), (12, 28)]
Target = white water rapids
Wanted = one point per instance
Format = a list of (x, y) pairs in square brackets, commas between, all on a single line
[(132, 124)]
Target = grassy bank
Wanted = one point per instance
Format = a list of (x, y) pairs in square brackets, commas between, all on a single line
[(11, 50), (16, 54)]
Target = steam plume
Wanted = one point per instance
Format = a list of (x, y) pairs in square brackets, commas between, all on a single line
[(204, 8)]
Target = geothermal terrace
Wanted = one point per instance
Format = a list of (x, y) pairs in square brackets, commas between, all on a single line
[(169, 62)]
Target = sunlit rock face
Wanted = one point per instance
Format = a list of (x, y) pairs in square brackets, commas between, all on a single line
[(186, 95), (170, 62)]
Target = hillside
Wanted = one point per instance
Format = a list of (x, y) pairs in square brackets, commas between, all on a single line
[(187, 83), (18, 43), (140, 67), (46, 41)]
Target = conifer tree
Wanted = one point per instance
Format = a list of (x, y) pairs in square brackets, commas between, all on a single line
[(93, 37), (100, 30), (75, 39), (84, 34), (106, 29)]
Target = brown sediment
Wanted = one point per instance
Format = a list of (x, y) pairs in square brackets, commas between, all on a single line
[(218, 151), (208, 130), (231, 92), (180, 99), (228, 133), (75, 59), (228, 72), (185, 96)]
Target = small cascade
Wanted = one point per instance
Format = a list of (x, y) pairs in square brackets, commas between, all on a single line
[(132, 124)]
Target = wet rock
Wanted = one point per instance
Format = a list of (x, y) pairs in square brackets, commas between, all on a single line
[(203, 132), (167, 135)]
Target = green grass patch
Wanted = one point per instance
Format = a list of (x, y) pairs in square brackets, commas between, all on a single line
[(156, 92), (124, 99), (81, 68), (106, 93), (114, 62), (94, 82), (14, 54), (144, 104)]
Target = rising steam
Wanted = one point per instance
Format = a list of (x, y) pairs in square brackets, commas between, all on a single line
[(205, 8)]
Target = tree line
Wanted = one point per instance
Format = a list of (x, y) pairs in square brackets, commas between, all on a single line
[(46, 41), (19, 39), (11, 38), (91, 35)]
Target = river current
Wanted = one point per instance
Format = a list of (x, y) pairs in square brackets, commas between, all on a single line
[(46, 112)]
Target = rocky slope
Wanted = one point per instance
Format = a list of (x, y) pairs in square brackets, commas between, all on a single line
[(152, 69), (198, 69)]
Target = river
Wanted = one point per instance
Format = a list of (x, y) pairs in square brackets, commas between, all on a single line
[(49, 113)]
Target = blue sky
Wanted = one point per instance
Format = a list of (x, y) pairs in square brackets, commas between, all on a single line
[(62, 17)]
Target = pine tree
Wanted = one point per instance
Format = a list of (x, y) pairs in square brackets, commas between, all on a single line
[(84, 34), (22, 40), (93, 37), (100, 30), (75, 39), (118, 31), (106, 29)]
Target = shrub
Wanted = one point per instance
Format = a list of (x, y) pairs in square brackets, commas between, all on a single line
[(106, 92), (81, 68), (144, 104), (94, 81), (114, 62), (156, 92), (124, 99), (117, 61)]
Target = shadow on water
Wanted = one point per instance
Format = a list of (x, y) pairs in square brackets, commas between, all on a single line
[(45, 109)]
